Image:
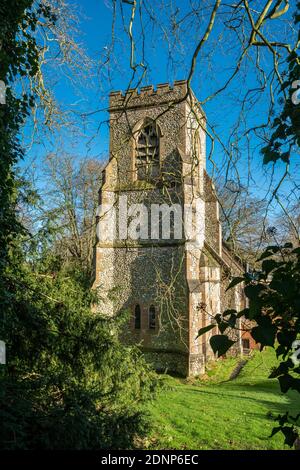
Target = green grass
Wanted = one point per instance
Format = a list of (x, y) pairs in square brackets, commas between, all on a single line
[(213, 413)]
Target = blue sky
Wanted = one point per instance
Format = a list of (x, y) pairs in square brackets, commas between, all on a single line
[(88, 99)]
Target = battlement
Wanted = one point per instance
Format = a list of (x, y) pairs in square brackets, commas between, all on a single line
[(148, 95)]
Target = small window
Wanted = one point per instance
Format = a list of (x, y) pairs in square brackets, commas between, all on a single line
[(246, 343), (152, 317), (137, 317)]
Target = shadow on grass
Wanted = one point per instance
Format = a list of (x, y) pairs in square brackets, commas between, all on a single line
[(240, 392)]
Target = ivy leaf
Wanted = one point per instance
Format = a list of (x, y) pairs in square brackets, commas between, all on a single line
[(269, 155), (275, 431), (271, 250), (220, 344), (229, 312), (280, 370), (286, 337), (253, 292), (290, 435), (286, 382), (265, 332), (243, 313), (234, 282), (223, 326), (205, 329), (232, 320), (268, 265)]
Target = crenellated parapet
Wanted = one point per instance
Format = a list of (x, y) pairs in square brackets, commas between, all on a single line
[(148, 95)]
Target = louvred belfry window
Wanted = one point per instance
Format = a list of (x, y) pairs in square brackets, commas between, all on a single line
[(147, 152)]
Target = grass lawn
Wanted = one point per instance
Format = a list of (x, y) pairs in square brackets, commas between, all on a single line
[(213, 413)]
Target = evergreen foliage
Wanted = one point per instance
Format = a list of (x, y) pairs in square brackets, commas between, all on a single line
[(68, 381)]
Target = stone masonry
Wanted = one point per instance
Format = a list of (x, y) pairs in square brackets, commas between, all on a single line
[(170, 285)]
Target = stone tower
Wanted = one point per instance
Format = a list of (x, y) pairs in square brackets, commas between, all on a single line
[(171, 277)]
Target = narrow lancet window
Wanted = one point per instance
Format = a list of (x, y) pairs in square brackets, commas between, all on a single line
[(152, 318), (137, 317)]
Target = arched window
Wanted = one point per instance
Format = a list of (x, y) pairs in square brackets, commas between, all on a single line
[(137, 317), (152, 317), (147, 151)]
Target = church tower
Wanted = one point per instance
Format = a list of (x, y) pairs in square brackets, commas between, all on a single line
[(159, 252)]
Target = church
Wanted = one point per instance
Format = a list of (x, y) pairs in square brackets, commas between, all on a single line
[(159, 253)]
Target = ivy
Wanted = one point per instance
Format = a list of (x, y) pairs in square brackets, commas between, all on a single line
[(286, 128), (68, 382), (274, 313)]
